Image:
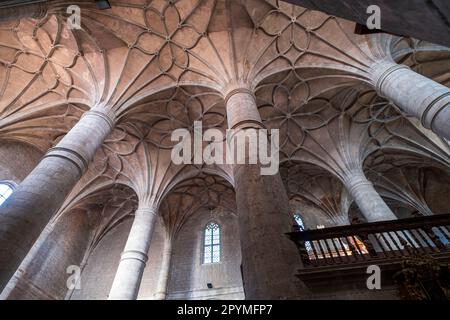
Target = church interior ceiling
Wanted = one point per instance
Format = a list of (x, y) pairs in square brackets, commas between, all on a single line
[(161, 65)]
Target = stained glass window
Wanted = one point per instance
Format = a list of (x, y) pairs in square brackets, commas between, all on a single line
[(298, 219), (5, 191), (212, 247)]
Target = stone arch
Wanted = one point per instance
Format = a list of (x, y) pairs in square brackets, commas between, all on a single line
[(186, 209), (110, 210), (315, 193), (42, 126)]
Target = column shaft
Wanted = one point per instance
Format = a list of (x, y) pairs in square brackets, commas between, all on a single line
[(415, 94), (370, 203), (164, 274), (134, 257), (24, 215), (43, 274), (269, 259)]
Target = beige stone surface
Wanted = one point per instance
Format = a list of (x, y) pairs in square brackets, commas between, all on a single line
[(86, 117)]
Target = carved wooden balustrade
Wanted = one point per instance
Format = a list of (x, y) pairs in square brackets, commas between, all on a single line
[(373, 243)]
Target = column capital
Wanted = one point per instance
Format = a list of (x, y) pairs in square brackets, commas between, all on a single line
[(440, 103), (134, 255), (354, 179), (103, 113), (146, 210), (71, 155), (382, 70), (242, 111), (82, 141), (235, 90)]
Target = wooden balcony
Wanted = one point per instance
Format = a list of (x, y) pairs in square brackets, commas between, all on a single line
[(342, 254)]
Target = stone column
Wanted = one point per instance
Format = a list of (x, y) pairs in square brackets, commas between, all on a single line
[(43, 274), (134, 257), (164, 274), (269, 259), (27, 211), (415, 94), (370, 203)]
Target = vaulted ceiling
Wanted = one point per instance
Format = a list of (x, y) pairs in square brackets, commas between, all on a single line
[(161, 65)]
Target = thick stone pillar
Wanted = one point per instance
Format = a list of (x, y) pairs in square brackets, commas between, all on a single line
[(269, 259), (164, 274), (370, 203), (26, 212), (415, 94), (134, 257), (45, 271)]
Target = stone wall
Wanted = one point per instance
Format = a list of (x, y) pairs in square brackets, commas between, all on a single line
[(44, 273), (312, 215), (17, 160), (152, 270), (99, 272), (189, 276), (438, 191)]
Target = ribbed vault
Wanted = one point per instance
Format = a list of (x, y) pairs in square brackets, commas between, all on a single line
[(161, 65)]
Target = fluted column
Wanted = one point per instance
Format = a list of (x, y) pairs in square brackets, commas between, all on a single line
[(269, 259), (164, 274), (134, 257), (27, 211), (415, 94), (371, 205)]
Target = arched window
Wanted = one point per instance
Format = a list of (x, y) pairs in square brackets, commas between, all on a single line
[(211, 244), (6, 189)]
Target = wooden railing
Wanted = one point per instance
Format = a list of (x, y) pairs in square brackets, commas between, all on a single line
[(370, 242)]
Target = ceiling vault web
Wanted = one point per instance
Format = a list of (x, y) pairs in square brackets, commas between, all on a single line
[(161, 65)]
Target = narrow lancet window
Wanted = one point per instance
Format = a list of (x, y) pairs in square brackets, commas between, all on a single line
[(212, 243)]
